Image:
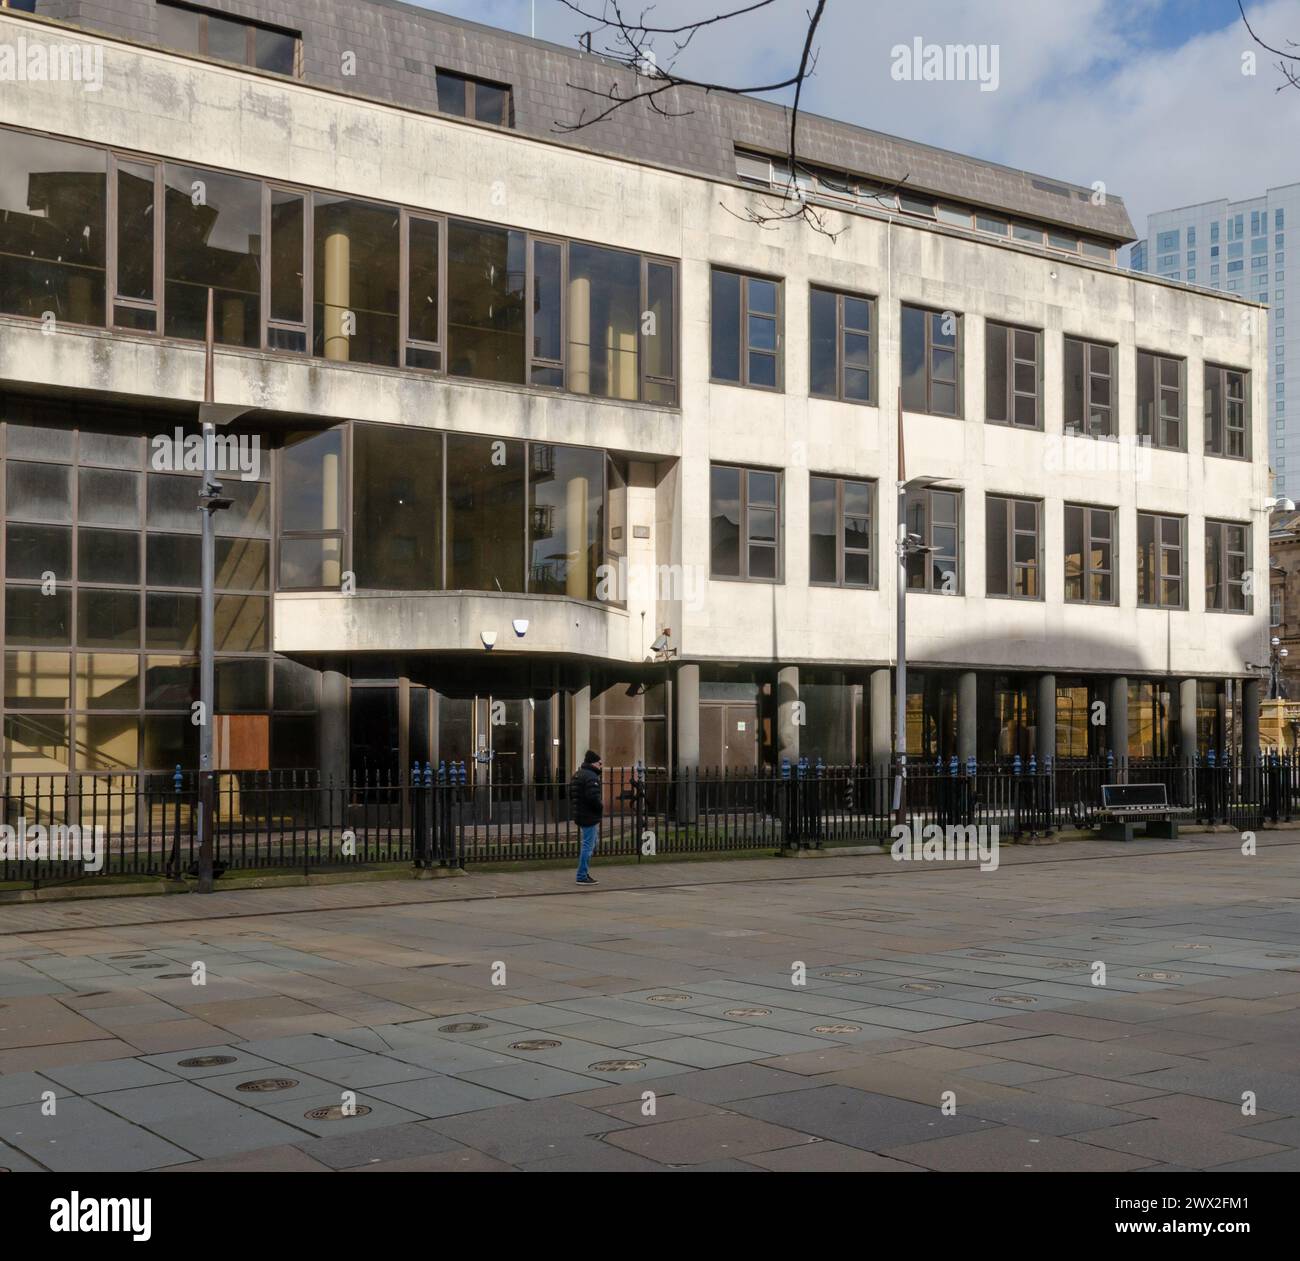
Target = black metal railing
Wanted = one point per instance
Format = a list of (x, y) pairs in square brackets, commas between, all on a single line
[(144, 823)]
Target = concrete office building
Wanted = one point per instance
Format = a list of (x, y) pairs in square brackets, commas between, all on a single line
[(557, 392), (1240, 247)]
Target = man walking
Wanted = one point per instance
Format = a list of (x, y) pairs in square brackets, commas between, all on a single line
[(587, 799)]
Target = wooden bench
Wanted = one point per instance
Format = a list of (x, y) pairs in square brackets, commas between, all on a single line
[(1125, 806)]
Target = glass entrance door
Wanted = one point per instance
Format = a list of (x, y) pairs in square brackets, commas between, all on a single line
[(490, 734)]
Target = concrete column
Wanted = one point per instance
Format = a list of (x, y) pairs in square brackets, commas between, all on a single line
[(575, 538), (332, 733), (580, 735), (787, 700), (1250, 718), (338, 294), (967, 726), (579, 334), (1045, 745), (686, 688), (881, 718), (1186, 718), (1117, 718)]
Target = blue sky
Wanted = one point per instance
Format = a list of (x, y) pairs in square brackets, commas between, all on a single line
[(1149, 96)]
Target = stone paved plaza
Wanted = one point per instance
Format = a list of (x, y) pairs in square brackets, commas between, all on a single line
[(676, 979)]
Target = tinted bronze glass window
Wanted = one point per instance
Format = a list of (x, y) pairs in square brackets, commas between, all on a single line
[(311, 510), (934, 517), (423, 303), (1089, 554), (745, 516), (486, 513), (486, 324), (397, 508), (53, 217), (1160, 398), (1227, 555), (604, 318), (213, 239), (745, 315), (288, 266), (548, 314), (842, 517), (1160, 561), (31, 617), (1012, 540), (357, 264), (464, 97), (31, 551), (1013, 389), (1089, 386), (566, 500), (841, 352), (1227, 412), (931, 346), (137, 225)]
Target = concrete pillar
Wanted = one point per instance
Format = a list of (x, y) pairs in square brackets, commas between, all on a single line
[(787, 701), (1117, 718), (332, 732), (1187, 718), (579, 334), (686, 687), (880, 716), (575, 538), (580, 734), (338, 293), (1045, 745), (1250, 718), (967, 726)]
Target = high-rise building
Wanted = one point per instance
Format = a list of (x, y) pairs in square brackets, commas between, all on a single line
[(1239, 247), (559, 438)]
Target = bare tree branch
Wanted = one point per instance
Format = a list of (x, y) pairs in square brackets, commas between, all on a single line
[(1290, 63), (631, 44)]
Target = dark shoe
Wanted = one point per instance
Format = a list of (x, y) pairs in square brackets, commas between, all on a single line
[(586, 880)]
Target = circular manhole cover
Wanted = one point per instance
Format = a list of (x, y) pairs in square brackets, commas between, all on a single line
[(535, 1044), (1014, 1000), (336, 1112), (748, 1011), (923, 987), (1160, 976), (206, 1061), (837, 1028), (839, 972), (265, 1085), (669, 998), (465, 1026), (616, 1066)]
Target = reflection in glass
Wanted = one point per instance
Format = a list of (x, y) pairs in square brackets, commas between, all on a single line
[(604, 318), (567, 493), (485, 302), (357, 256), (397, 507), (485, 514)]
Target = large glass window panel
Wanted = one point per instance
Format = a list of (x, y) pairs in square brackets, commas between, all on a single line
[(453, 93), (213, 240), (492, 104), (397, 508), (242, 565), (108, 497), (823, 564), (38, 492), (422, 311), (486, 325), (567, 494), (310, 564), (996, 565), (108, 680), (357, 251), (53, 217), (548, 300), (724, 517), (274, 51), (604, 322), (250, 513), (486, 511), (241, 685), (36, 744), (725, 326), (35, 441), (296, 685), (108, 556), (32, 551), (172, 560), (823, 334), (136, 229), (115, 450), (107, 742), (660, 334), (227, 40), (108, 619), (311, 481), (914, 359), (170, 683), (172, 621), (288, 237), (173, 502), (178, 28), (241, 623), (169, 740), (36, 680), (33, 618)]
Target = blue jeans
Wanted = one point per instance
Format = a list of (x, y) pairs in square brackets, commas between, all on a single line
[(589, 838)]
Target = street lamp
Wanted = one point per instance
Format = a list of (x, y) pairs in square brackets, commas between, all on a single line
[(211, 500), (1276, 657), (907, 545)]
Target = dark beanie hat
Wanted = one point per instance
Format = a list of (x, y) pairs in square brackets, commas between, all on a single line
[(590, 758)]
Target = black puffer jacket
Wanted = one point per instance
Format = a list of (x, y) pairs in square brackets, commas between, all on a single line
[(586, 797)]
